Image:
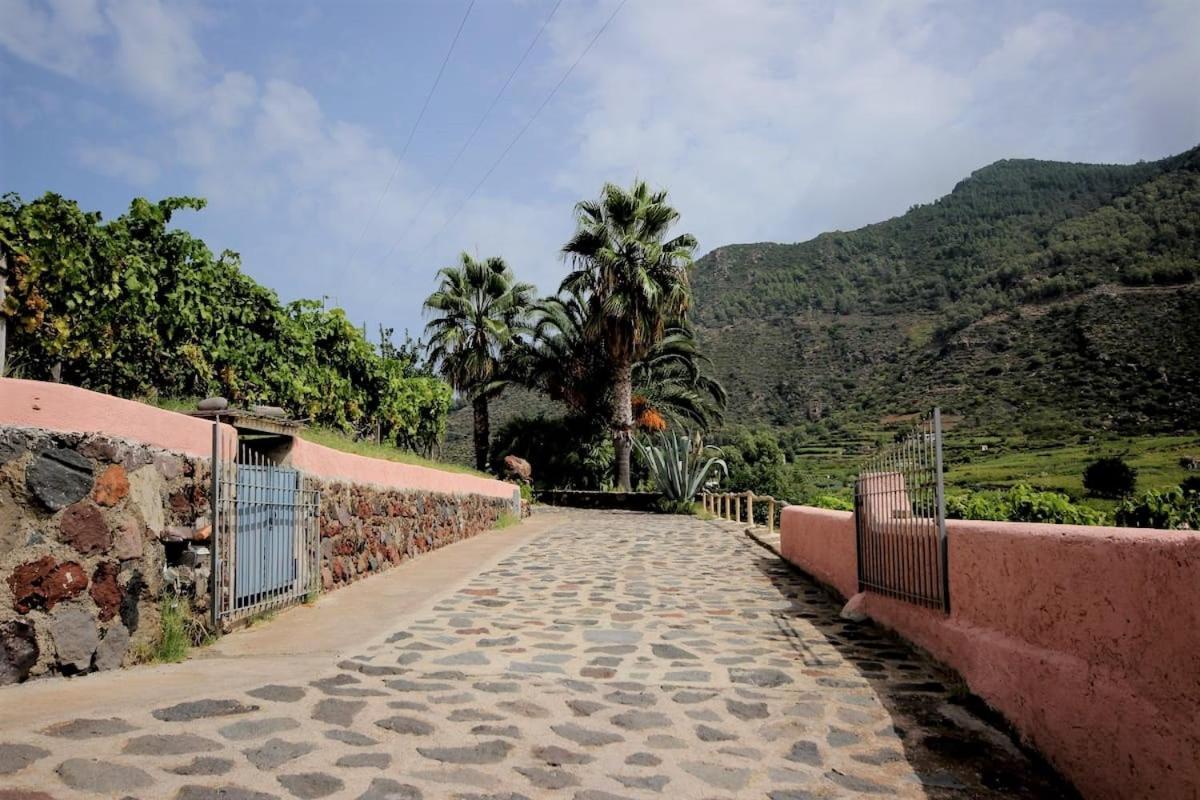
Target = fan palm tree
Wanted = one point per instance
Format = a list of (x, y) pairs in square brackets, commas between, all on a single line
[(634, 281), (479, 312)]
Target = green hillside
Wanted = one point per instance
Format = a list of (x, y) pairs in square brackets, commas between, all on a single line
[(1041, 297)]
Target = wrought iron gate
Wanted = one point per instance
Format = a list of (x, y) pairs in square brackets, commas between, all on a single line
[(266, 549), (900, 518)]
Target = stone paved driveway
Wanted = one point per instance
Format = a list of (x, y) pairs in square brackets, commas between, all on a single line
[(615, 656)]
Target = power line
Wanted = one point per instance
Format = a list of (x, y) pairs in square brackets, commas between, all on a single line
[(529, 122), (478, 126), (411, 134)]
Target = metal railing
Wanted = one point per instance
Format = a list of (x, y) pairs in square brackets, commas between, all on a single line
[(739, 507), (900, 518), (266, 531)]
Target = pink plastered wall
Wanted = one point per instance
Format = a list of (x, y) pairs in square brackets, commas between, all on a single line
[(336, 465), (1087, 639), (59, 407), (69, 409)]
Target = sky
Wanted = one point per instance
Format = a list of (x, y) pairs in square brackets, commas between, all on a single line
[(766, 120)]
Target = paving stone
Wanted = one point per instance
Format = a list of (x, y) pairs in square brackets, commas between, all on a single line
[(228, 792), (101, 777), (489, 752), (641, 720), (311, 785), (88, 728), (506, 731), (169, 744), (277, 752), (277, 693), (557, 756), (551, 779), (857, 784), (338, 712), (587, 737), (204, 765), (408, 726), (671, 652), (352, 738), (643, 760), (706, 733), (525, 708), (689, 696), (376, 760), (765, 677), (388, 789), (719, 776), (202, 709), (652, 783), (805, 753), (584, 708), (747, 711), (16, 757), (257, 728)]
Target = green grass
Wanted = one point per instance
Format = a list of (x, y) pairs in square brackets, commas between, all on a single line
[(506, 520), (174, 639), (1014, 459), (340, 441), (336, 440)]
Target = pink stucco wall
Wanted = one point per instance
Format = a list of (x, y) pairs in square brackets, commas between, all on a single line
[(58, 407), (1086, 639), (334, 464)]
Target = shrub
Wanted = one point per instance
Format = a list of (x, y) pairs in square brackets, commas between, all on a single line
[(832, 501), (563, 452), (679, 467), (1166, 509), (1110, 477), (1021, 504), (1190, 485)]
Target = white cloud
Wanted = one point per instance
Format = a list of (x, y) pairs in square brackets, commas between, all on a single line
[(116, 162)]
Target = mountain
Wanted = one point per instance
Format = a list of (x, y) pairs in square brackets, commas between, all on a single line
[(1039, 296)]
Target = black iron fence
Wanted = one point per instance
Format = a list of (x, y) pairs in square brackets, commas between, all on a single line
[(900, 518)]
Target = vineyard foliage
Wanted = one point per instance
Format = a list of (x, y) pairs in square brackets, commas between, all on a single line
[(135, 308)]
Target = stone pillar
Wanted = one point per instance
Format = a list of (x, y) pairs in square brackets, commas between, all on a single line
[(750, 508)]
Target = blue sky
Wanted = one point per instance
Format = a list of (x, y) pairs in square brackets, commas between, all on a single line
[(766, 120)]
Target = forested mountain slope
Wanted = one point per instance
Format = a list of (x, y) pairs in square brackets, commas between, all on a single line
[(1036, 295)]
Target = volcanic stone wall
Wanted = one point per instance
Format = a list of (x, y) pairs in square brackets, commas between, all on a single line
[(92, 531), (95, 531), (367, 529)]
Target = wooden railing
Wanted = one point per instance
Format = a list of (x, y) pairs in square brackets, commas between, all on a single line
[(739, 506)]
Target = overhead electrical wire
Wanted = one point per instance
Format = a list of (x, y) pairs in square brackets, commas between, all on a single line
[(478, 126), (528, 123), (411, 134)]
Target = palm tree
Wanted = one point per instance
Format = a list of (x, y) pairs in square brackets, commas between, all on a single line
[(480, 311), (635, 282)]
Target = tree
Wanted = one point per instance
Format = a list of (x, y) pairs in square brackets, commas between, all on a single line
[(480, 309), (634, 282), (1110, 477)]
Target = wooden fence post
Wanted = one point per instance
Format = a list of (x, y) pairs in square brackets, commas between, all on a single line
[(771, 515), (750, 509)]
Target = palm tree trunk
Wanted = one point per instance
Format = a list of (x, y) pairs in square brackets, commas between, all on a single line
[(622, 422), (482, 433)]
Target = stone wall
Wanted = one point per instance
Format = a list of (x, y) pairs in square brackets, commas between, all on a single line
[(92, 530), (367, 529), (95, 530)]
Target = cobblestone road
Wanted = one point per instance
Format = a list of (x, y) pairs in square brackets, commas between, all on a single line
[(615, 656)]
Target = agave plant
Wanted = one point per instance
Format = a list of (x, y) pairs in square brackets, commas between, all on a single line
[(679, 467)]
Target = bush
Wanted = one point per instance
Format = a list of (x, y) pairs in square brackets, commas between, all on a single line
[(1021, 504), (563, 452), (1168, 509), (1190, 485), (1110, 477), (832, 501)]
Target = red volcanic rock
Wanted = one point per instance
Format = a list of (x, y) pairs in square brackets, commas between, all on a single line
[(106, 592), (45, 582), (84, 528), (111, 487), (518, 468)]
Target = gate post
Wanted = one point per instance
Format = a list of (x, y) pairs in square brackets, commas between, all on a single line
[(214, 592)]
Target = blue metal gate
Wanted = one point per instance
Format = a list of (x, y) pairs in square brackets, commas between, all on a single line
[(266, 534)]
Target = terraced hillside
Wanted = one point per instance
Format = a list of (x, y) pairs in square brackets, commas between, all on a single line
[(1036, 296)]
